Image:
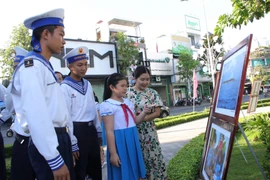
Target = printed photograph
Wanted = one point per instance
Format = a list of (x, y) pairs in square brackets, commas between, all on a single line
[(216, 155), (230, 81)]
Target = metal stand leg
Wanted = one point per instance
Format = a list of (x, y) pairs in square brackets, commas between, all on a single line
[(240, 149), (253, 153)]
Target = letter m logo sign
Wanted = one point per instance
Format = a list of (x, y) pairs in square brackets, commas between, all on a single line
[(93, 53)]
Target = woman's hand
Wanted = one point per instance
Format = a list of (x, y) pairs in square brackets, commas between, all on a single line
[(115, 160), (147, 109)]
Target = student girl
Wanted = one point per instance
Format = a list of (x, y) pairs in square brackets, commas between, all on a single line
[(124, 156)]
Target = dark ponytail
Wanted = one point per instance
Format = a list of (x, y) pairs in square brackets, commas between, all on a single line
[(107, 91), (113, 80)]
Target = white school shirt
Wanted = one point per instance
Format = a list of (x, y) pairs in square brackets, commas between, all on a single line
[(112, 107), (80, 101), (40, 106)]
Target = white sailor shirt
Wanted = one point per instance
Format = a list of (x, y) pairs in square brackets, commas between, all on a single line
[(40, 106), (5, 114), (80, 101), (10, 109)]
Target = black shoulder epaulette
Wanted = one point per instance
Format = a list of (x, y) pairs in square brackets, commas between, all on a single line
[(28, 62)]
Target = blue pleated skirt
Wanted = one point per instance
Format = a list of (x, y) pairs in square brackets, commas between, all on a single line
[(129, 151)]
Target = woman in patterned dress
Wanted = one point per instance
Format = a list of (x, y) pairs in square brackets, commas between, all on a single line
[(141, 95)]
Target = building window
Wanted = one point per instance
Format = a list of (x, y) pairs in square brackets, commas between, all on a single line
[(98, 36), (192, 40)]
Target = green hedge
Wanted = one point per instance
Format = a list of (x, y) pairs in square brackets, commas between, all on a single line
[(245, 106), (261, 103), (180, 119), (182, 115), (187, 162)]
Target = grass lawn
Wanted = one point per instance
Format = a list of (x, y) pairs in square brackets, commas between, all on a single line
[(238, 168)]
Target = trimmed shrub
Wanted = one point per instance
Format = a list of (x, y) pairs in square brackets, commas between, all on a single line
[(182, 115), (245, 106), (261, 103), (187, 162), (180, 119)]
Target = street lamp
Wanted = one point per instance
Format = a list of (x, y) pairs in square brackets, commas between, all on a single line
[(208, 42), (216, 51)]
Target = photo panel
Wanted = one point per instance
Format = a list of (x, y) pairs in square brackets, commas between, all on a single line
[(217, 150), (254, 96), (230, 86), (230, 81)]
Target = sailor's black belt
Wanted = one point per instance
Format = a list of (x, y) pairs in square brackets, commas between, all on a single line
[(20, 138), (61, 130), (90, 123)]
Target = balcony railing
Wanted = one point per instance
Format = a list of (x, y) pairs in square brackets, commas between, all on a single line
[(137, 39)]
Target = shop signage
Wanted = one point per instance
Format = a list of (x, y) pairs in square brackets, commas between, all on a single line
[(100, 56), (160, 63), (193, 23), (156, 84)]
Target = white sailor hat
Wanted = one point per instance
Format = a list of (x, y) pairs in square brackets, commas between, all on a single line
[(53, 17), (20, 54), (76, 54)]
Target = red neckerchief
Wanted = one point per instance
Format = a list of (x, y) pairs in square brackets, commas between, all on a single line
[(125, 108)]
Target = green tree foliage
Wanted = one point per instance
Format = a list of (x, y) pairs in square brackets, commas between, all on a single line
[(260, 73), (186, 65), (244, 11), (261, 52), (180, 49), (128, 53), (20, 36)]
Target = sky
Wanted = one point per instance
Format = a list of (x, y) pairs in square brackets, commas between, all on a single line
[(157, 17)]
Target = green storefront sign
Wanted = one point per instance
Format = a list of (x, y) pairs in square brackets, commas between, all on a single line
[(193, 23)]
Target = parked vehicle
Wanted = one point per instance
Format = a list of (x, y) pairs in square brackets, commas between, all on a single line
[(189, 102), (266, 91), (164, 111), (198, 101), (181, 102)]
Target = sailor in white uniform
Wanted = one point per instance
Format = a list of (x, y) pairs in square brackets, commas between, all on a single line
[(80, 101), (5, 113), (21, 167), (39, 101), (3, 118)]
